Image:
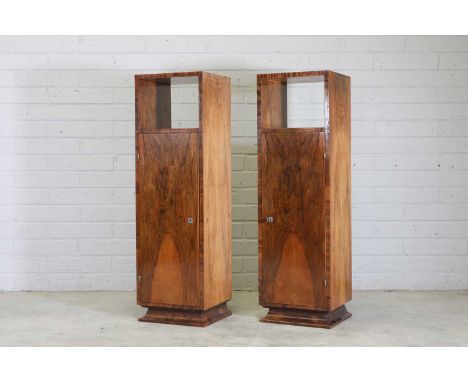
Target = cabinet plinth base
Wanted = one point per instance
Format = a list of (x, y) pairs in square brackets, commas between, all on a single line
[(312, 318), (186, 317)]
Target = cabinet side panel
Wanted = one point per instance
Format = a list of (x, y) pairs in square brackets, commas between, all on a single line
[(273, 104), (154, 105), (217, 236), (145, 92), (340, 189), (259, 189), (163, 105), (137, 190)]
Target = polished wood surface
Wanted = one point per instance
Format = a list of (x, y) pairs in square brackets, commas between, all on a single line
[(145, 94), (216, 196), (284, 76), (339, 90), (293, 182), (311, 318), (154, 111), (273, 113), (326, 286), (186, 317), (169, 257), (183, 268), (163, 104)]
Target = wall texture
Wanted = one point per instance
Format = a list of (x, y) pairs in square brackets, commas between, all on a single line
[(67, 153)]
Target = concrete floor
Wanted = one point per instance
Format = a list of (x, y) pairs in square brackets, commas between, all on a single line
[(110, 319)]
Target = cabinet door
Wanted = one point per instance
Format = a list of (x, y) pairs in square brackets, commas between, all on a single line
[(168, 261), (293, 221)]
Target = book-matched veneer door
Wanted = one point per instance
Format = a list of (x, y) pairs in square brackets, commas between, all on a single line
[(293, 221), (168, 211)]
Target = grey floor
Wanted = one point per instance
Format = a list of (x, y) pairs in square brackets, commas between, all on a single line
[(110, 319)]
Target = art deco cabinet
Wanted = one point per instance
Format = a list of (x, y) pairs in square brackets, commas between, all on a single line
[(304, 186), (183, 197)]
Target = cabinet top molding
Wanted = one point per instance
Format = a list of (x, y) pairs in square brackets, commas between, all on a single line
[(155, 76), (315, 73)]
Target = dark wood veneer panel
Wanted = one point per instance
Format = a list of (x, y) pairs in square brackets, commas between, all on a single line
[(188, 317), (168, 198), (294, 242), (311, 318), (163, 104)]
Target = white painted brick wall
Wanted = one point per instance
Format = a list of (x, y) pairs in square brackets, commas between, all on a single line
[(67, 170)]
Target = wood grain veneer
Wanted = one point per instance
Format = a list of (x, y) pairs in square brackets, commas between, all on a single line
[(168, 196), (293, 182), (183, 203), (339, 148), (217, 235), (304, 187)]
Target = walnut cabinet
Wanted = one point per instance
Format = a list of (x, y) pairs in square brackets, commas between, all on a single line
[(183, 197), (304, 189)]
